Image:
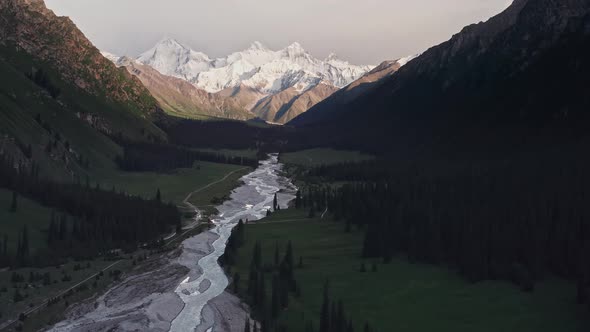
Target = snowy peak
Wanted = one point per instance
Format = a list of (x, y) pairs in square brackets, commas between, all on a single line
[(172, 58), (332, 57), (170, 43), (257, 67), (295, 51), (257, 46), (295, 48)]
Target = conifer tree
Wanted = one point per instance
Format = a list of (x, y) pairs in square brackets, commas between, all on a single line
[(325, 311), (247, 325), (284, 295), (261, 292), (158, 195), (333, 317), (14, 204), (241, 233), (253, 284), (341, 319), (5, 249), (52, 231), (350, 327), (276, 258), (236, 282), (311, 214), (275, 300), (289, 257), (257, 257), (275, 203), (22, 251)]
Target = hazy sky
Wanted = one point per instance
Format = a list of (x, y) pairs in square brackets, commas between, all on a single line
[(362, 31)]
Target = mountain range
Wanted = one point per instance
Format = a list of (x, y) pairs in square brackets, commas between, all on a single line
[(275, 86), (524, 68)]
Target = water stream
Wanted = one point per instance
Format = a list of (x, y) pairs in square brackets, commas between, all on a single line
[(250, 202)]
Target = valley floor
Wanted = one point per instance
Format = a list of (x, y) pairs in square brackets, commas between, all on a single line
[(399, 296), (208, 183)]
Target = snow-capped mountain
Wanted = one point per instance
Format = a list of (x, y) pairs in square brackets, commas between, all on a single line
[(171, 58), (256, 67), (256, 82)]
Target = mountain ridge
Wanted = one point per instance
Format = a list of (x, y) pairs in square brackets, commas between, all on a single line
[(492, 75), (257, 66)]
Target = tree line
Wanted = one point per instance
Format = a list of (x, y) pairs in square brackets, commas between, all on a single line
[(333, 317), (226, 134), (92, 221), (518, 220), (279, 273), (143, 157)]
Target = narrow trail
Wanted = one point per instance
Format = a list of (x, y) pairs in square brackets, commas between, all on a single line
[(186, 202), (186, 199)]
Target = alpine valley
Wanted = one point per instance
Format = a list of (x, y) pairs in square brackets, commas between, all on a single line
[(274, 191)]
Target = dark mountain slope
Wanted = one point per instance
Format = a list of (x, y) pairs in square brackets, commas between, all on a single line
[(348, 94), (62, 104), (33, 37), (520, 73)]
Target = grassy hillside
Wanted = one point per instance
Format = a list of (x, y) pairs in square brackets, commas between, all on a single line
[(22, 102), (399, 296)]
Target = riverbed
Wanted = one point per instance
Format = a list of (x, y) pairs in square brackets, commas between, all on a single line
[(185, 291)]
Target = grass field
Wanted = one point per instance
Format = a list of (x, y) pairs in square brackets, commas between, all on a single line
[(206, 198), (402, 296), (174, 186), (317, 157)]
